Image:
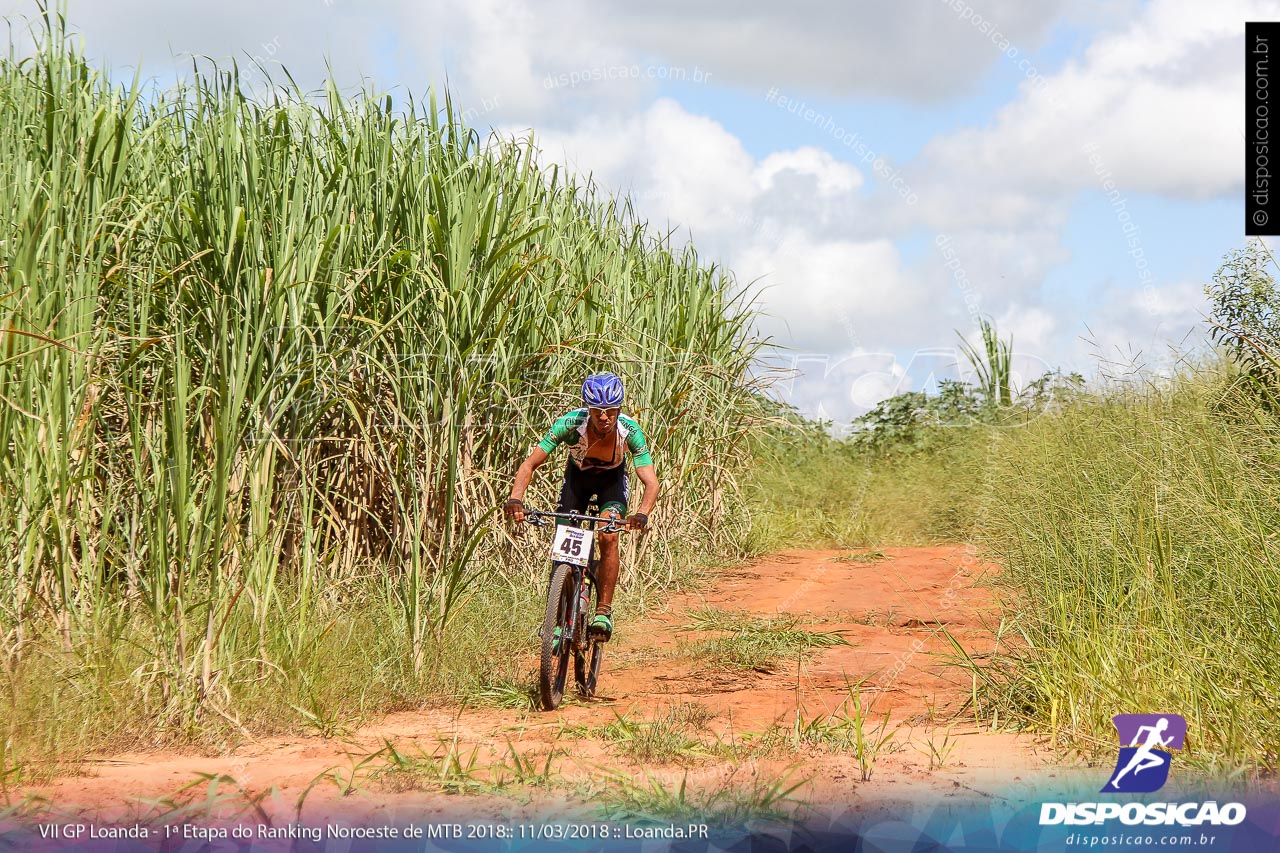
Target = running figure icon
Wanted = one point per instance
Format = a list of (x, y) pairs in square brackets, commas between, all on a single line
[(1144, 759), (1146, 741)]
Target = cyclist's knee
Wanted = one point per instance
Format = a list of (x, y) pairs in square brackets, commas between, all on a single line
[(609, 541)]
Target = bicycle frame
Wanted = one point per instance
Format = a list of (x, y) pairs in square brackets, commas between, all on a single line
[(581, 595)]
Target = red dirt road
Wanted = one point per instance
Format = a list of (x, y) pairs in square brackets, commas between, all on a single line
[(890, 611)]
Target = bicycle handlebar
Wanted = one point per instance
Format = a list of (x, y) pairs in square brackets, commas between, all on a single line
[(540, 519)]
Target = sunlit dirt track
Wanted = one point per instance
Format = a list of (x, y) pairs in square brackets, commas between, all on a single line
[(891, 611)]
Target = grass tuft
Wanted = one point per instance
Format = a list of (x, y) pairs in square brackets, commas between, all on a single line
[(751, 642), (731, 801), (663, 740), (850, 728)]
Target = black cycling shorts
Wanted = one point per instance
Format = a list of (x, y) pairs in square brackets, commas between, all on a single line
[(610, 488)]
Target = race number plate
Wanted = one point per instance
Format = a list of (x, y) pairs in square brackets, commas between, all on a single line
[(571, 545)]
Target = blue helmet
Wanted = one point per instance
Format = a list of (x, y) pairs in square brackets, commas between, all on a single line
[(602, 391)]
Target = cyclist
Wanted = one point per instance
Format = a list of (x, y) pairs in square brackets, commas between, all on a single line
[(598, 436)]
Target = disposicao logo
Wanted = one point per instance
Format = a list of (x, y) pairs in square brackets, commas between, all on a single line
[(1146, 744)]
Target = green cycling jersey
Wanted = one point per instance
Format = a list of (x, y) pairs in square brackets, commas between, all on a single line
[(570, 430)]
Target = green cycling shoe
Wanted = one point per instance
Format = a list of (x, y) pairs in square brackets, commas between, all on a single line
[(602, 626)]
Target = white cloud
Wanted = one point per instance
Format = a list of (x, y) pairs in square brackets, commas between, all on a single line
[(513, 52), (308, 37), (681, 167), (917, 51), (1030, 327), (833, 177), (1148, 328), (997, 265), (830, 296), (841, 387), (854, 301), (503, 41), (1158, 101), (1160, 98), (823, 292)]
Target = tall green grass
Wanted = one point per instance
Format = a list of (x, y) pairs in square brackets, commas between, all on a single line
[(1138, 534), (266, 368), (809, 489)]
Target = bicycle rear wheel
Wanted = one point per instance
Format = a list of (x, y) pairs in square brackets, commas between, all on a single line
[(556, 642)]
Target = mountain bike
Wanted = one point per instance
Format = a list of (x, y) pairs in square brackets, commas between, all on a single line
[(564, 626)]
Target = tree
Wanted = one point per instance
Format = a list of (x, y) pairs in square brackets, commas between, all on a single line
[(1245, 317)]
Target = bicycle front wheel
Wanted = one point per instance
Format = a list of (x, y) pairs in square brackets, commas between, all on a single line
[(556, 641)]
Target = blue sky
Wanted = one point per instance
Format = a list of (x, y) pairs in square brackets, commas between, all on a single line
[(987, 111)]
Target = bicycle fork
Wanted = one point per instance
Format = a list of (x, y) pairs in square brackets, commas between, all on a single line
[(584, 597), (575, 630)]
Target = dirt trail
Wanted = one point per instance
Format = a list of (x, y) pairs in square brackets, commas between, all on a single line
[(889, 611)]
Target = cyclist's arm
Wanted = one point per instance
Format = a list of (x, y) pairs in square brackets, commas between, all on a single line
[(651, 486), (524, 474), (642, 459), (562, 431)]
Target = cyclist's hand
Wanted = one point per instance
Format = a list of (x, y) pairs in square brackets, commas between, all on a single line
[(639, 521), (514, 510)]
